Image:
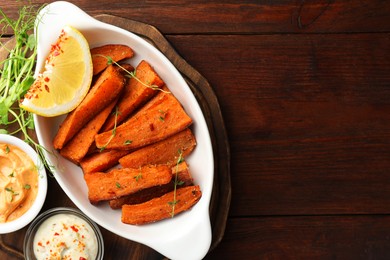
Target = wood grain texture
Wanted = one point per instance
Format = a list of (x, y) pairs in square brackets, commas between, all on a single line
[(304, 90), (307, 119), (305, 237), (242, 17)]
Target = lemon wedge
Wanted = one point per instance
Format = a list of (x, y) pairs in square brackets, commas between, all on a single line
[(65, 79)]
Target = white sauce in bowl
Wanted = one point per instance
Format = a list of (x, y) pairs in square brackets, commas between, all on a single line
[(65, 236)]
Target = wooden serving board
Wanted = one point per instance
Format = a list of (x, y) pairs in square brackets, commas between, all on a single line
[(221, 196)]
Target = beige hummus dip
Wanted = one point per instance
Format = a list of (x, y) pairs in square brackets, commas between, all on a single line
[(18, 182)]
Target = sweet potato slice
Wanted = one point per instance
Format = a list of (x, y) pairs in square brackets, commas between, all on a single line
[(116, 52), (161, 207), (152, 125), (166, 151), (157, 99), (124, 181), (79, 145), (101, 161), (135, 93), (184, 179), (105, 91)]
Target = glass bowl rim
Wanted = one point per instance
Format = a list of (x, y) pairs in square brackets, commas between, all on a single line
[(35, 224)]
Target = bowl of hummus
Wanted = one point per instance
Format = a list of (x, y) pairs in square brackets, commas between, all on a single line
[(23, 184), (63, 233)]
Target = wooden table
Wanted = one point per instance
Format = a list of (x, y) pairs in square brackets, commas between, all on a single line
[(304, 90)]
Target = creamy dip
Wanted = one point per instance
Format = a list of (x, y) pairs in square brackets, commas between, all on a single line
[(18, 181), (65, 236)]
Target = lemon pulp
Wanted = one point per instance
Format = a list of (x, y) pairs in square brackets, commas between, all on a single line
[(65, 79)]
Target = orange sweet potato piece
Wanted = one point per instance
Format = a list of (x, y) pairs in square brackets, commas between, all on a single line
[(124, 181), (158, 98), (116, 52), (160, 208), (184, 179), (79, 145), (135, 93), (101, 161), (166, 151), (104, 91), (158, 122)]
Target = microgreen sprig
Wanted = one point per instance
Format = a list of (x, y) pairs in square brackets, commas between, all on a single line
[(131, 74), (177, 182), (16, 75), (113, 133), (12, 193)]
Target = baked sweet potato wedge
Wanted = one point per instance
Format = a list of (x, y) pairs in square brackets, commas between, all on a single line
[(101, 161), (184, 179), (124, 181), (161, 207), (135, 93), (116, 52), (105, 90), (152, 125), (166, 151), (79, 145)]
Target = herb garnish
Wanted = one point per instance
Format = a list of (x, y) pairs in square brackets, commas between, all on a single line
[(16, 75), (137, 177), (113, 133), (176, 183), (162, 115), (27, 186), (12, 192), (131, 74), (118, 185)]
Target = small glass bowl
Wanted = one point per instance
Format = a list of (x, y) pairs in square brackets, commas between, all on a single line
[(28, 246)]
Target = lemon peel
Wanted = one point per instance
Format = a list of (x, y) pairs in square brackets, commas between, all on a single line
[(65, 79)]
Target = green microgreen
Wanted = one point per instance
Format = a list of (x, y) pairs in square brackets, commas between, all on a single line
[(131, 74), (27, 186), (17, 74), (113, 132), (162, 115), (177, 182), (127, 142), (138, 177), (12, 193)]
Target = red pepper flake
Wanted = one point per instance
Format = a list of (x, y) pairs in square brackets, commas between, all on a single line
[(46, 79), (40, 243), (56, 234), (47, 88), (82, 258), (74, 228), (47, 242)]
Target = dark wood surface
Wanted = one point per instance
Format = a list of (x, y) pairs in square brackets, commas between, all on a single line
[(304, 90)]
